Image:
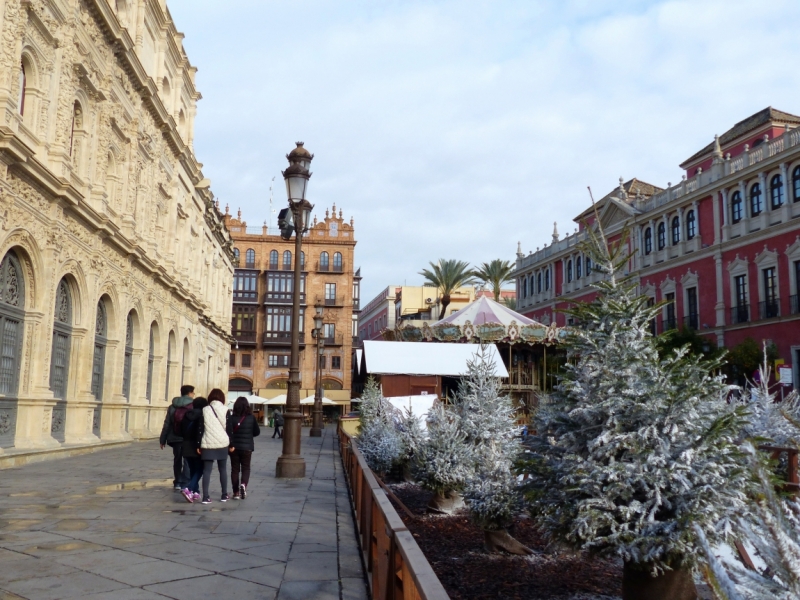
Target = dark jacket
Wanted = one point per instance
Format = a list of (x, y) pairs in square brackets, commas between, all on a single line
[(278, 419), (242, 438), (193, 432), (168, 436)]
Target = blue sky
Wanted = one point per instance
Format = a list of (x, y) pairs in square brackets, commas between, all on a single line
[(454, 129)]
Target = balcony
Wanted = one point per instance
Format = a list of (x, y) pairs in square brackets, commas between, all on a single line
[(691, 321), (249, 265), (337, 301), (329, 268), (769, 309), (334, 340), (245, 296), (794, 304), (273, 266), (323, 268), (668, 323), (245, 337), (740, 314), (280, 338), (282, 297)]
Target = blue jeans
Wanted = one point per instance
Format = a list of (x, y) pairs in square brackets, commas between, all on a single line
[(195, 473)]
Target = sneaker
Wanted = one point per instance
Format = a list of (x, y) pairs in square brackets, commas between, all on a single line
[(188, 495), (236, 496), (195, 496), (206, 500), (243, 491), (177, 488), (224, 498)]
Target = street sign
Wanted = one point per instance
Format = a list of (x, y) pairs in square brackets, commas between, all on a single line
[(785, 375)]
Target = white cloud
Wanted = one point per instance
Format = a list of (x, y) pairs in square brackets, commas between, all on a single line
[(455, 128)]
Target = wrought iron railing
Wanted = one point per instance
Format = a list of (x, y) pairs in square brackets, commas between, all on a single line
[(740, 314), (691, 321), (769, 309)]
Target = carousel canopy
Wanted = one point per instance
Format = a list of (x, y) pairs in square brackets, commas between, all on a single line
[(408, 358), (482, 321)]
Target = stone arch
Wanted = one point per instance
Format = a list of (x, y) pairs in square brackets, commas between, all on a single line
[(29, 255), (72, 271), (331, 383)]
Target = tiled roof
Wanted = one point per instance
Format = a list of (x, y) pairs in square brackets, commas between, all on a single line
[(762, 117), (632, 187)]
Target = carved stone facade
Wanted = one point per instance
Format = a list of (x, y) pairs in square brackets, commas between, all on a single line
[(116, 276)]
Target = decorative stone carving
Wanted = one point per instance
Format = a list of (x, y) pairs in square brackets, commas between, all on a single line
[(6, 422)]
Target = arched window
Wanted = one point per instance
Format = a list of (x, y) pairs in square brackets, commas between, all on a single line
[(539, 282), (126, 369), (12, 305), (756, 206), (662, 235), (323, 261), (287, 260), (273, 259), (578, 268), (250, 258), (776, 191), (77, 126), (302, 260), (736, 207), (337, 262), (588, 266), (99, 356), (547, 279), (676, 230), (236, 255), (62, 338), (691, 225), (524, 286), (170, 344), (796, 184), (648, 243), (151, 359), (23, 84), (569, 271)]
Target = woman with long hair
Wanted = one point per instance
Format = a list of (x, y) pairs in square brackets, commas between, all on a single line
[(242, 428), (214, 443)]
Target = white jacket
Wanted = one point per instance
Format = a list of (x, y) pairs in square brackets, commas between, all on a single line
[(214, 435)]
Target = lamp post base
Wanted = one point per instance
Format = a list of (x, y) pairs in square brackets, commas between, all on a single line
[(315, 432), (290, 467)]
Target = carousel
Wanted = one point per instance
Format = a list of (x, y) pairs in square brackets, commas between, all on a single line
[(529, 349)]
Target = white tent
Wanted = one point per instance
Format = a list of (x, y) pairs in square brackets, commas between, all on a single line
[(281, 401), (258, 400), (419, 405), (424, 358), (325, 401)]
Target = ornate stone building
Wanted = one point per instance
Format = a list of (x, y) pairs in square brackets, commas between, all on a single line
[(262, 307), (116, 267)]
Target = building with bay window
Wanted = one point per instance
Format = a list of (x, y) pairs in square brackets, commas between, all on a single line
[(261, 318), (115, 265), (721, 247)]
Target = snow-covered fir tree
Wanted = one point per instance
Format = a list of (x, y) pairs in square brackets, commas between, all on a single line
[(441, 463), (411, 435), (377, 438), (771, 528), (487, 420), (631, 450), (772, 418)]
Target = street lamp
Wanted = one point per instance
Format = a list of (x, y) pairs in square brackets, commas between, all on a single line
[(294, 219), (316, 420)]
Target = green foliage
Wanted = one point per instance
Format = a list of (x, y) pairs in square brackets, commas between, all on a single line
[(698, 345), (745, 358), (447, 275), (510, 303), (495, 274)]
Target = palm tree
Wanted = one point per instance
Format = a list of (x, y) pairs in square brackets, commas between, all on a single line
[(447, 275), (495, 273)]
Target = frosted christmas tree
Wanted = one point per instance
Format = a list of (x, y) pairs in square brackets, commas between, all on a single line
[(631, 450), (377, 438)]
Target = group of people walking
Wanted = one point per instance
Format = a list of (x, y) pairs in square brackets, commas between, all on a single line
[(201, 432)]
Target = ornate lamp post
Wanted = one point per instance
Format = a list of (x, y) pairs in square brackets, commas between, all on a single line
[(316, 423), (294, 219)]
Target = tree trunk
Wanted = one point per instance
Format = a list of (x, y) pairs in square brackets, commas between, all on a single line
[(639, 584), (499, 540), (445, 302), (446, 503)]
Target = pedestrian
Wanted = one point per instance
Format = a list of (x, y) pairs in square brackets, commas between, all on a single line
[(171, 435), (214, 443), (277, 419), (191, 430), (242, 428)]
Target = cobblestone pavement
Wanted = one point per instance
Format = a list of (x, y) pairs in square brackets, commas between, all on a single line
[(109, 526)]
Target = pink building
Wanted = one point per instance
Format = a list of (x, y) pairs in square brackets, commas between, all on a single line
[(722, 246)]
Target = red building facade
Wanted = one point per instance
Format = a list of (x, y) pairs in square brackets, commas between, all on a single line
[(722, 247)]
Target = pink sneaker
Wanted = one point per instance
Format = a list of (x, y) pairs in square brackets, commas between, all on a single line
[(188, 495), (195, 496)]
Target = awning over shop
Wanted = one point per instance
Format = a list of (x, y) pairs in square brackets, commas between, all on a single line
[(419, 358)]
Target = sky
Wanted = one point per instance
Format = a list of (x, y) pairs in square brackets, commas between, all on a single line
[(458, 128)]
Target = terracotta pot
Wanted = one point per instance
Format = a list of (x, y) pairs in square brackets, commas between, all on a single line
[(639, 584)]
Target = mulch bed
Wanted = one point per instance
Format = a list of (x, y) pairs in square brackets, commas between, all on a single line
[(454, 548)]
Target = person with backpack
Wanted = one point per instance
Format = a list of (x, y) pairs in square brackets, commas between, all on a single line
[(242, 428), (277, 419), (214, 443), (190, 428), (171, 435)]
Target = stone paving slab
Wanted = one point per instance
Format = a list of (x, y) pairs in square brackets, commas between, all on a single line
[(107, 525)]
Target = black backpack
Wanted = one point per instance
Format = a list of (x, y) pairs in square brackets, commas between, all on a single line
[(177, 419)]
